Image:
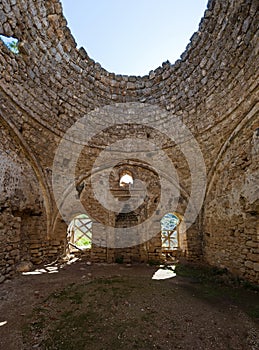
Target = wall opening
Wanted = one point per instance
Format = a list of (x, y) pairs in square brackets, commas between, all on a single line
[(79, 233), (11, 43), (170, 232), (124, 48), (126, 178)]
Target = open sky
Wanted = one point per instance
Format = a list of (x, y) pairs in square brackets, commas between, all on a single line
[(133, 36)]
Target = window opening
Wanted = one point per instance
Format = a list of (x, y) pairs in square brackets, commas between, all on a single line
[(126, 179), (79, 232), (11, 43), (169, 231)]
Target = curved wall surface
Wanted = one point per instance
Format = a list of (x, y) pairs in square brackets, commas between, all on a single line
[(213, 90)]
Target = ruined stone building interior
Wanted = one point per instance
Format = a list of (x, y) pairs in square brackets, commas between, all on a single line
[(126, 168)]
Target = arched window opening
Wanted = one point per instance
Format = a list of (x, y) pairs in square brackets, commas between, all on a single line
[(11, 43), (126, 179), (169, 231), (79, 232)]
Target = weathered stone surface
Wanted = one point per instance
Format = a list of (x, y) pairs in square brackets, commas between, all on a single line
[(256, 267), (213, 89), (2, 279), (24, 266)]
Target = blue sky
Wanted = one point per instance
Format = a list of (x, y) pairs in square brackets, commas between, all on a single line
[(133, 36)]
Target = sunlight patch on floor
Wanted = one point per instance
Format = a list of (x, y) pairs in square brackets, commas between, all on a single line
[(50, 268), (164, 273)]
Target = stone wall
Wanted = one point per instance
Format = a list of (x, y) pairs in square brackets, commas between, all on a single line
[(231, 211), (20, 203), (23, 229), (213, 89)]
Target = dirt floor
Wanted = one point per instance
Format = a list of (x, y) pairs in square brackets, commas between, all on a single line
[(103, 307)]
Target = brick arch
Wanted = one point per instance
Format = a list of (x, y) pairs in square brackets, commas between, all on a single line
[(231, 209), (79, 184), (17, 137), (248, 119)]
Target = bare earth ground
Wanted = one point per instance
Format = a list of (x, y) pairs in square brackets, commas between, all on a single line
[(103, 307)]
